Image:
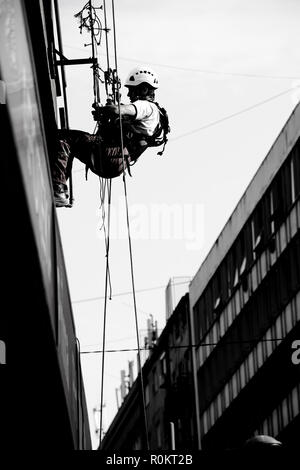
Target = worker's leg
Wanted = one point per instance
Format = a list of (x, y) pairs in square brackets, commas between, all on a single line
[(81, 145), (58, 168), (69, 144)]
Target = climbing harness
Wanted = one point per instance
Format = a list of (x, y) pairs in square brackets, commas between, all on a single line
[(159, 136)]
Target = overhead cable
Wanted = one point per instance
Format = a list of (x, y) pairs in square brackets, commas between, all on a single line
[(230, 116)]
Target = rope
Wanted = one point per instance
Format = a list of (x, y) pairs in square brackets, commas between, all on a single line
[(104, 185), (129, 241), (106, 33), (94, 66), (80, 416), (107, 280)]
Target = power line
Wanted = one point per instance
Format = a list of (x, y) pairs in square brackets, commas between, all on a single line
[(230, 116), (215, 72), (92, 299), (99, 351), (209, 72)]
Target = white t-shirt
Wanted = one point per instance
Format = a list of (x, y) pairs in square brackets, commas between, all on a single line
[(147, 117)]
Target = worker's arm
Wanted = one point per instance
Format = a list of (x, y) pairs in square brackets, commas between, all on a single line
[(113, 110), (126, 109)]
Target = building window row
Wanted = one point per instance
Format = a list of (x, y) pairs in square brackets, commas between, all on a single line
[(257, 357), (256, 237), (282, 415), (255, 277)]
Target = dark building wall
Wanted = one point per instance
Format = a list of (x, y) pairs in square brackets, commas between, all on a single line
[(47, 401), (168, 394)]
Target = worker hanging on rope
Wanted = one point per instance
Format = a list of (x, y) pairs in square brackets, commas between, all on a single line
[(144, 124)]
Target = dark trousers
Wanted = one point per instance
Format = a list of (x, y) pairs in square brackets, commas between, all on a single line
[(71, 143), (104, 158)]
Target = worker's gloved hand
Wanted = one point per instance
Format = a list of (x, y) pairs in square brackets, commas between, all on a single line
[(98, 111), (110, 109)]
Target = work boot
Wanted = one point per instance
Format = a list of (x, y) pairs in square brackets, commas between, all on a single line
[(61, 195)]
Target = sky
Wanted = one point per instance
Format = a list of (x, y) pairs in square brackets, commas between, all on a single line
[(229, 72)]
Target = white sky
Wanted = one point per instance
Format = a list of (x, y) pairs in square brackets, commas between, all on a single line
[(214, 59)]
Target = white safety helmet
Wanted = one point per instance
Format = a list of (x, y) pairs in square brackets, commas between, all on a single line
[(142, 75)]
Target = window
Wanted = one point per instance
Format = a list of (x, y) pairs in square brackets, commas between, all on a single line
[(200, 318), (236, 305), (238, 380), (226, 394), (272, 210), (260, 359), (275, 423), (234, 387), (137, 445), (228, 267), (282, 194), (250, 362), (212, 414), (278, 329), (215, 334), (205, 424), (147, 395), (158, 436), (285, 413), (208, 418), (208, 298), (295, 402), (243, 376), (200, 356), (230, 390), (255, 359), (243, 257), (222, 323), (296, 171), (219, 405), (229, 312), (155, 380), (257, 230), (217, 294), (288, 318), (163, 369)]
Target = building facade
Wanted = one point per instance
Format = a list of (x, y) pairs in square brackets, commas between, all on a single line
[(47, 406), (168, 392), (245, 309)]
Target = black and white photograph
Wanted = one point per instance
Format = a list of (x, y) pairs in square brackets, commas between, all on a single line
[(151, 199)]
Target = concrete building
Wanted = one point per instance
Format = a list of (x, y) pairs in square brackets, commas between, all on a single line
[(245, 309), (244, 330)]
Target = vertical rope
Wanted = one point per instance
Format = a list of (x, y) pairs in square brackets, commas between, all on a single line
[(106, 33), (130, 244), (95, 77), (104, 315)]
